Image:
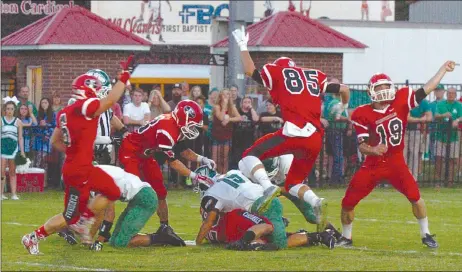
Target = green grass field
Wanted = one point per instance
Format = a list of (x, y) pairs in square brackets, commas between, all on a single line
[(386, 237)]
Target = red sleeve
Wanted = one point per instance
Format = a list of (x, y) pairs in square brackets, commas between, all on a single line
[(359, 121), (269, 75), (165, 142), (89, 107), (322, 81), (406, 98)]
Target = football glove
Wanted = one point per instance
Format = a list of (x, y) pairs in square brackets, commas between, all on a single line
[(241, 38), (206, 161)]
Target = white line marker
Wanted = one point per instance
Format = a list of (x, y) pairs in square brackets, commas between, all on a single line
[(60, 266), (19, 224), (404, 251)]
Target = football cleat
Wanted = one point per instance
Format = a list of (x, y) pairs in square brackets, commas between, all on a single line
[(262, 247), (68, 236), (264, 202), (238, 245), (320, 211), (96, 246), (336, 233), (30, 242), (327, 238), (166, 236), (429, 241), (285, 221), (344, 242)]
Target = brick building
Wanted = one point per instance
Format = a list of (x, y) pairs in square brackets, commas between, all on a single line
[(52, 51), (308, 42)]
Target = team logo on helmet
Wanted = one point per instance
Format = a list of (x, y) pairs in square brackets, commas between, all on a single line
[(190, 111)]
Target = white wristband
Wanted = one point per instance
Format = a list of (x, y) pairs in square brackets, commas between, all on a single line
[(243, 47), (199, 158)]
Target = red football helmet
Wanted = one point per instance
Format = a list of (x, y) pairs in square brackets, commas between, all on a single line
[(284, 62), (85, 86), (188, 116), (384, 94)]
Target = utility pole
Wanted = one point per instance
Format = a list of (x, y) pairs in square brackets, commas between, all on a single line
[(240, 12)]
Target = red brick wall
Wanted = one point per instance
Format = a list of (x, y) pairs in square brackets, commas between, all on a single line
[(59, 68)]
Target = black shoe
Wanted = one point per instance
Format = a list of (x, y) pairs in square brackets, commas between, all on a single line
[(327, 238), (344, 242), (262, 247), (68, 236), (166, 236), (238, 245), (336, 233), (429, 241), (96, 246)]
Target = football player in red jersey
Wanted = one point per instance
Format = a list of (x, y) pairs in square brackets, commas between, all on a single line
[(75, 135), (297, 91), (380, 127), (162, 134)]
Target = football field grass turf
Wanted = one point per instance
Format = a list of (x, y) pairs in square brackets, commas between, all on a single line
[(385, 234)]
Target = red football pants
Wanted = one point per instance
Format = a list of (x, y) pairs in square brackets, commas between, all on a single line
[(305, 151), (78, 184), (238, 221), (147, 169), (364, 181)]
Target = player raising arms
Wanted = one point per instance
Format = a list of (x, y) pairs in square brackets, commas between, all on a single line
[(297, 91), (75, 134), (380, 127), (162, 134)]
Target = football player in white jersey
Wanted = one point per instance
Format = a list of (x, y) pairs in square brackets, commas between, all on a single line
[(142, 204), (231, 191)]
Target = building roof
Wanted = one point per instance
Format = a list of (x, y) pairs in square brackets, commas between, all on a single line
[(73, 29), (292, 32)]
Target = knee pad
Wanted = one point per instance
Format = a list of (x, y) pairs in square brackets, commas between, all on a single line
[(247, 164)]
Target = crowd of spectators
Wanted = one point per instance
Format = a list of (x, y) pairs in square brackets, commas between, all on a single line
[(233, 122)]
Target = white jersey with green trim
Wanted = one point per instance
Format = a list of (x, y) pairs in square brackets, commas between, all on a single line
[(128, 184), (233, 191)]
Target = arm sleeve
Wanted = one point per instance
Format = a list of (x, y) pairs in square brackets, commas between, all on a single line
[(420, 96), (180, 147), (89, 107), (322, 80), (257, 77), (360, 124), (164, 140), (267, 75)]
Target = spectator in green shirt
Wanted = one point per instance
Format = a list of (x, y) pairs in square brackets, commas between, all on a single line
[(23, 96), (212, 99), (450, 113), (338, 119), (439, 96), (415, 139)]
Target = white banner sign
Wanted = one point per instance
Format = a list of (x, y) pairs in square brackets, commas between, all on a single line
[(189, 22)]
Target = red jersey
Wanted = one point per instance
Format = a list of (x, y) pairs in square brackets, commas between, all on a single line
[(79, 131), (160, 134), (296, 90), (387, 126)]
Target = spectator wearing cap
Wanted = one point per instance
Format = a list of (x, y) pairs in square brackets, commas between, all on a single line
[(415, 139), (234, 89), (176, 96), (157, 103), (447, 137), (136, 113), (439, 96)]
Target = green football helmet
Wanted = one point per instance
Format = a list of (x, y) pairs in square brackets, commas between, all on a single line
[(105, 80), (203, 185)]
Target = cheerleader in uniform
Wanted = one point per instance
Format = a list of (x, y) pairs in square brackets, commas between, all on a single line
[(11, 138)]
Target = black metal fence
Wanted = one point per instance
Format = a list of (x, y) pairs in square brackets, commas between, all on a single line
[(432, 151)]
